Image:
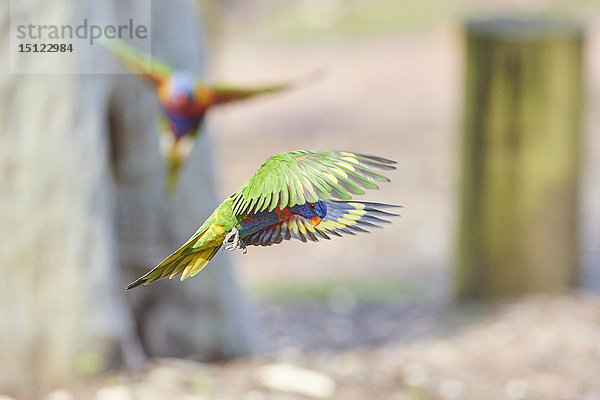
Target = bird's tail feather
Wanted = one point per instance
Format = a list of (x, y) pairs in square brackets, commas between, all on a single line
[(180, 262), (175, 153), (172, 174)]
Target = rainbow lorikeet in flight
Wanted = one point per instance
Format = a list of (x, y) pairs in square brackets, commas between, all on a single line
[(290, 196), (184, 99)]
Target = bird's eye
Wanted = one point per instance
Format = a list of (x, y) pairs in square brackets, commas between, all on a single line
[(312, 206)]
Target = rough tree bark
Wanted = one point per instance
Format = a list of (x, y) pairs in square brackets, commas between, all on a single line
[(521, 156), (82, 212)]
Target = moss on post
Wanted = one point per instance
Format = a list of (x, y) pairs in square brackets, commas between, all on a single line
[(520, 161)]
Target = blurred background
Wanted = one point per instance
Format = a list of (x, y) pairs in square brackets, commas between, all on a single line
[(385, 315)]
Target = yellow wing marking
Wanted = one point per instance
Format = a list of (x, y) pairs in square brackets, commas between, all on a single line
[(358, 213), (323, 226), (293, 226), (353, 217), (331, 177), (357, 206), (345, 165), (346, 221), (340, 172), (309, 226), (330, 225), (349, 218), (349, 157), (301, 227)]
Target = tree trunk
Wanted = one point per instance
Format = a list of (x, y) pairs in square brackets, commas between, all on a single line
[(82, 213), (521, 156)]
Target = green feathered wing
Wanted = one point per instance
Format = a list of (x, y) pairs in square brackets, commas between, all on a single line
[(287, 179), (154, 71), (223, 94), (284, 180)]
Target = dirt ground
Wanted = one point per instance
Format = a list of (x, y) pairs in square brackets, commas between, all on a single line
[(536, 348)]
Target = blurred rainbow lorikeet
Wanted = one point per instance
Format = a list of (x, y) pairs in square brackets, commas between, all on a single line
[(290, 196), (184, 99)]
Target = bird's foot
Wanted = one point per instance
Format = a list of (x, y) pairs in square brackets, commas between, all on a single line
[(232, 241)]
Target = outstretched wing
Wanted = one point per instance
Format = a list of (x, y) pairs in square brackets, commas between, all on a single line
[(152, 69), (221, 94), (287, 179), (343, 217)]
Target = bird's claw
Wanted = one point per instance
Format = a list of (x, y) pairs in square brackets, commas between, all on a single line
[(232, 241)]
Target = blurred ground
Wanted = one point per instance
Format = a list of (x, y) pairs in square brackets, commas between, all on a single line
[(537, 348), (372, 312)]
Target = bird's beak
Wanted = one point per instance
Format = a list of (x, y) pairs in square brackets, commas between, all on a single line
[(316, 220)]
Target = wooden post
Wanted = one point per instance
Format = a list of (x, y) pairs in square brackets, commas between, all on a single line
[(520, 160)]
